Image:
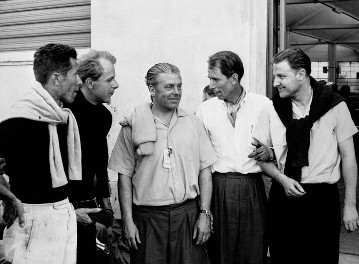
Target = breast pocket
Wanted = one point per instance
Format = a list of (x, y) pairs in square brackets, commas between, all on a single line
[(322, 134)]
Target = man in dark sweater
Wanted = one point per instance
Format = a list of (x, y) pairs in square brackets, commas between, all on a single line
[(311, 132), (40, 142), (96, 70)]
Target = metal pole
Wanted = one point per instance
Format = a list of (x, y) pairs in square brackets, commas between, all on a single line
[(282, 33), (270, 47), (332, 62)]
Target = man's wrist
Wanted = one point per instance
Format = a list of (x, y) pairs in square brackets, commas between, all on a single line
[(206, 212)]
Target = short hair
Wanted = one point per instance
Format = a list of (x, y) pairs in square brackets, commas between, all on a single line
[(296, 59), (228, 62), (53, 57), (89, 65), (155, 70)]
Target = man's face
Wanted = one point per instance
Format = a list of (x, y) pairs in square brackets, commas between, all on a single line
[(220, 84), (168, 91), (105, 86), (286, 79), (69, 84)]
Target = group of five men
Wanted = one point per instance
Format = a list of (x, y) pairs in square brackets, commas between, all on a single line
[(187, 183)]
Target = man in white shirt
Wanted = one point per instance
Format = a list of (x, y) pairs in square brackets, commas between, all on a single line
[(239, 200), (311, 132)]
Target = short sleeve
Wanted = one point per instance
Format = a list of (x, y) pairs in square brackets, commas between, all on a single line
[(345, 127), (122, 158), (207, 153), (262, 127)]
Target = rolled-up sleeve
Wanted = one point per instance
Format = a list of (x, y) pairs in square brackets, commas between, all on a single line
[(262, 127), (207, 153)]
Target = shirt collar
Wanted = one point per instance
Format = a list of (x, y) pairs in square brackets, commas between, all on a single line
[(239, 102)]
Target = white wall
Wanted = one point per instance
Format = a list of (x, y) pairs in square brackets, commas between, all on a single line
[(184, 33)]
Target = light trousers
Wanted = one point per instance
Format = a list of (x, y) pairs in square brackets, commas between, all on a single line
[(48, 237)]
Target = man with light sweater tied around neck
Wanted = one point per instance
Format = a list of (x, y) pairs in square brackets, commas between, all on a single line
[(163, 157), (40, 142)]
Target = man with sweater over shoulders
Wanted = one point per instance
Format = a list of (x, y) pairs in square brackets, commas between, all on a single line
[(311, 132), (163, 156)]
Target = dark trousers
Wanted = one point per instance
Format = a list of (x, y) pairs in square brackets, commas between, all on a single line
[(86, 237), (306, 229), (86, 244), (239, 211), (166, 235)]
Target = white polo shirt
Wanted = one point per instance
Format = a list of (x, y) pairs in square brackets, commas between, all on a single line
[(232, 144), (327, 132)]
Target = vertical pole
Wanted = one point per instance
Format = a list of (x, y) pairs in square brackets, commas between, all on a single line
[(270, 50), (332, 63), (282, 33)]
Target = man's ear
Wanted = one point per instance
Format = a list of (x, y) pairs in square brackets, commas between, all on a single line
[(302, 73), (234, 78), (151, 88), (55, 78), (89, 83)]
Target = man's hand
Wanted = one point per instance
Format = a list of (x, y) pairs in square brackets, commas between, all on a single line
[(131, 233), (291, 187), (262, 152), (82, 216), (350, 218), (202, 229), (2, 166), (12, 209)]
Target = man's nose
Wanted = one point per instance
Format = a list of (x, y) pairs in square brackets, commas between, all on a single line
[(79, 82), (211, 85), (275, 82), (115, 84)]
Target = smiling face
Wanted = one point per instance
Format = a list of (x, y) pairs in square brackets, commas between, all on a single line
[(104, 87), (69, 84), (221, 86), (287, 79), (167, 92)]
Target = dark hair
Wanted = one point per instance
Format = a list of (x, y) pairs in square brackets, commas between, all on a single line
[(296, 58), (89, 65), (155, 70), (228, 62), (52, 58)]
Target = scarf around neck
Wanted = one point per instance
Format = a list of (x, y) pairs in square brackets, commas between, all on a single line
[(38, 105), (298, 130)]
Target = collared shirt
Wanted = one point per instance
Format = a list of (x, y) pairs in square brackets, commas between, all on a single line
[(159, 182), (327, 132), (232, 144), (232, 109)]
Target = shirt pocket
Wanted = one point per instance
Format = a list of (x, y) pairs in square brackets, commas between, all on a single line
[(322, 134)]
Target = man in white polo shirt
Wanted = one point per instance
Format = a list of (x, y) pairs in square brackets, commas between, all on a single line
[(239, 199), (311, 131)]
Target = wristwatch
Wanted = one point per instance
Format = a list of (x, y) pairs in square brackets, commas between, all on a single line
[(207, 212)]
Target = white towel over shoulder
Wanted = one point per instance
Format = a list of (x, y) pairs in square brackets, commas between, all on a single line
[(38, 105)]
